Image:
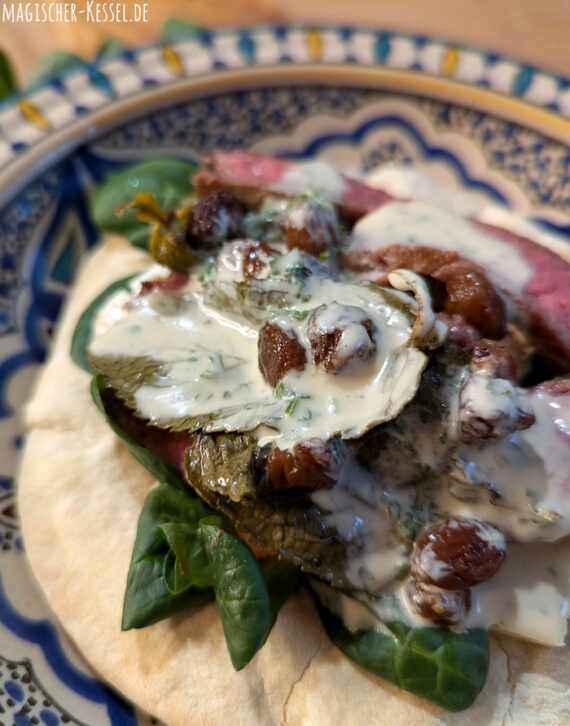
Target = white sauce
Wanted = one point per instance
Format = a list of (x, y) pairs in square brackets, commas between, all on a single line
[(419, 223), (529, 595), (530, 470), (311, 176), (358, 511), (406, 183), (210, 362)]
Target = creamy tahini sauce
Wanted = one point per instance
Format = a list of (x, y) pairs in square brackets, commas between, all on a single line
[(528, 596), (419, 223), (210, 367), (407, 183), (358, 509), (311, 176), (526, 475)]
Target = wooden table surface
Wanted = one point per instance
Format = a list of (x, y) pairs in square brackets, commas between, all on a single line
[(534, 31)]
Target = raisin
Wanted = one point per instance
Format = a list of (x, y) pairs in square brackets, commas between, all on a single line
[(442, 607), (278, 351), (216, 217), (340, 334), (457, 553), (310, 464), (311, 226), (256, 257), (505, 409), (494, 359), (473, 428), (470, 294)]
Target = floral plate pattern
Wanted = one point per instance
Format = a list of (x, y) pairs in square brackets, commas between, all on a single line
[(358, 98)]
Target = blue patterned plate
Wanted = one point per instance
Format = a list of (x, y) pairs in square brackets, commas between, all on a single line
[(491, 126)]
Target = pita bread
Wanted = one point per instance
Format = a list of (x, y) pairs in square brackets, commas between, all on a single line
[(80, 495)]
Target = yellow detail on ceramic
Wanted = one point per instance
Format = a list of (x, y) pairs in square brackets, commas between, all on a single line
[(449, 61), (33, 114), (172, 60), (314, 45)]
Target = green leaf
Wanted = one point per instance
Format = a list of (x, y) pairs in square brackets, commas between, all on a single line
[(84, 328), (54, 65), (168, 528), (8, 83), (281, 579), (148, 599), (191, 566), (241, 594), (163, 471), (109, 48), (229, 471), (175, 29), (445, 667), (166, 179)]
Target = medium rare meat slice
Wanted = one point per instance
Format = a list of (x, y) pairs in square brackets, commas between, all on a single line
[(252, 177), (545, 297)]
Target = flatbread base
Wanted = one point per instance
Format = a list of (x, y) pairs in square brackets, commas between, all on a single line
[(80, 495)]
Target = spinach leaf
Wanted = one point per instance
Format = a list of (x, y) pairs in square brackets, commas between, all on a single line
[(447, 668), (281, 579), (168, 529), (241, 594), (166, 179), (8, 83), (189, 566), (163, 471), (84, 328), (182, 558)]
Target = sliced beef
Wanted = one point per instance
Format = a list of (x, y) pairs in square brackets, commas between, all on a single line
[(252, 177), (173, 283), (554, 387), (424, 260), (545, 298)]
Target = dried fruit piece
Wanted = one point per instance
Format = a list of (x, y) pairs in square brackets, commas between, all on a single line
[(312, 226), (340, 334), (310, 464), (216, 217), (470, 294), (457, 553), (494, 359), (491, 408), (278, 351), (443, 607)]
